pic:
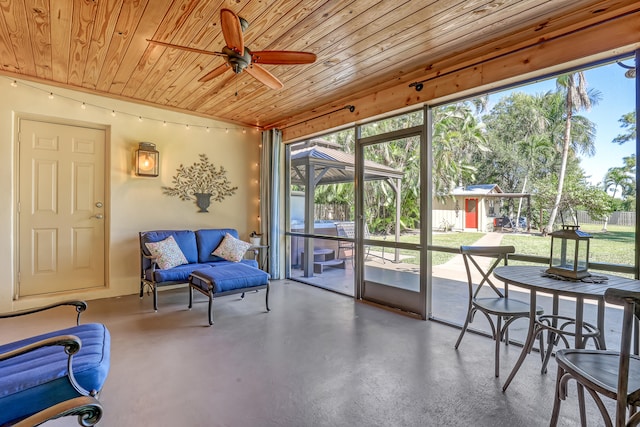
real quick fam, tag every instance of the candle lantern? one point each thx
(147, 160)
(569, 253)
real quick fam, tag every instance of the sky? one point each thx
(618, 98)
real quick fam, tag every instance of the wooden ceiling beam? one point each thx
(616, 36)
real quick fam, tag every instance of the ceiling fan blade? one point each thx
(214, 73)
(188, 49)
(232, 30)
(263, 76)
(282, 57)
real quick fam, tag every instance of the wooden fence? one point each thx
(616, 218)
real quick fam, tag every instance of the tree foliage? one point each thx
(628, 124)
(525, 143)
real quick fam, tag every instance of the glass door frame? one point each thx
(380, 293)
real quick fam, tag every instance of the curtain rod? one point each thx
(351, 109)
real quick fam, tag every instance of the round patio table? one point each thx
(534, 279)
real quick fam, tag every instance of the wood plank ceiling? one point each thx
(362, 46)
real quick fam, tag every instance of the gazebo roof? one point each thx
(334, 166)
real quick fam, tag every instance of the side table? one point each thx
(260, 254)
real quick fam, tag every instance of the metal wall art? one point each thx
(202, 182)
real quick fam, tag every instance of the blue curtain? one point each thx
(270, 211)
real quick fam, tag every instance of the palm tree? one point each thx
(577, 98)
(457, 136)
(627, 122)
(617, 178)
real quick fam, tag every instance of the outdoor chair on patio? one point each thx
(55, 374)
(613, 374)
(490, 300)
(347, 230)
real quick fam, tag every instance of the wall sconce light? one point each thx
(147, 160)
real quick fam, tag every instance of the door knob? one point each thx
(99, 216)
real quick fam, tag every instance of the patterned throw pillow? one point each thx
(231, 249)
(168, 253)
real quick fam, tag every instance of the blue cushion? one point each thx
(208, 240)
(230, 277)
(36, 380)
(250, 262)
(186, 239)
(176, 274)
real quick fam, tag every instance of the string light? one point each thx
(113, 112)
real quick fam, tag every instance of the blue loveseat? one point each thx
(197, 247)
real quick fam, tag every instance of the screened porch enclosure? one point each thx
(318, 163)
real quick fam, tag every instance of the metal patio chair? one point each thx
(612, 374)
(347, 230)
(495, 303)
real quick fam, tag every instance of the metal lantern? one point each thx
(147, 160)
(569, 253)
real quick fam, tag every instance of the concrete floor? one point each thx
(317, 359)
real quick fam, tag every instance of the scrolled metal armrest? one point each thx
(71, 344)
(80, 306)
(87, 408)
(153, 259)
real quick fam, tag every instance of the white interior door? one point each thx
(61, 208)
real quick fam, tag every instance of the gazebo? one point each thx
(333, 166)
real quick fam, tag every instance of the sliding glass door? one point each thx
(389, 226)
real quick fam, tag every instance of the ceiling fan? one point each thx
(240, 58)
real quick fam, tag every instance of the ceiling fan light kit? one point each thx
(239, 58)
(238, 62)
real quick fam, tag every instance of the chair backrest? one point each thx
(493, 256)
(346, 229)
(631, 303)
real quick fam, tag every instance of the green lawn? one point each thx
(616, 246)
(450, 240)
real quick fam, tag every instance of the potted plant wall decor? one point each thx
(202, 182)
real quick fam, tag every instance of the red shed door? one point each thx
(471, 213)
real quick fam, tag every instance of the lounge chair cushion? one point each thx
(36, 380)
(225, 278)
(180, 274)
